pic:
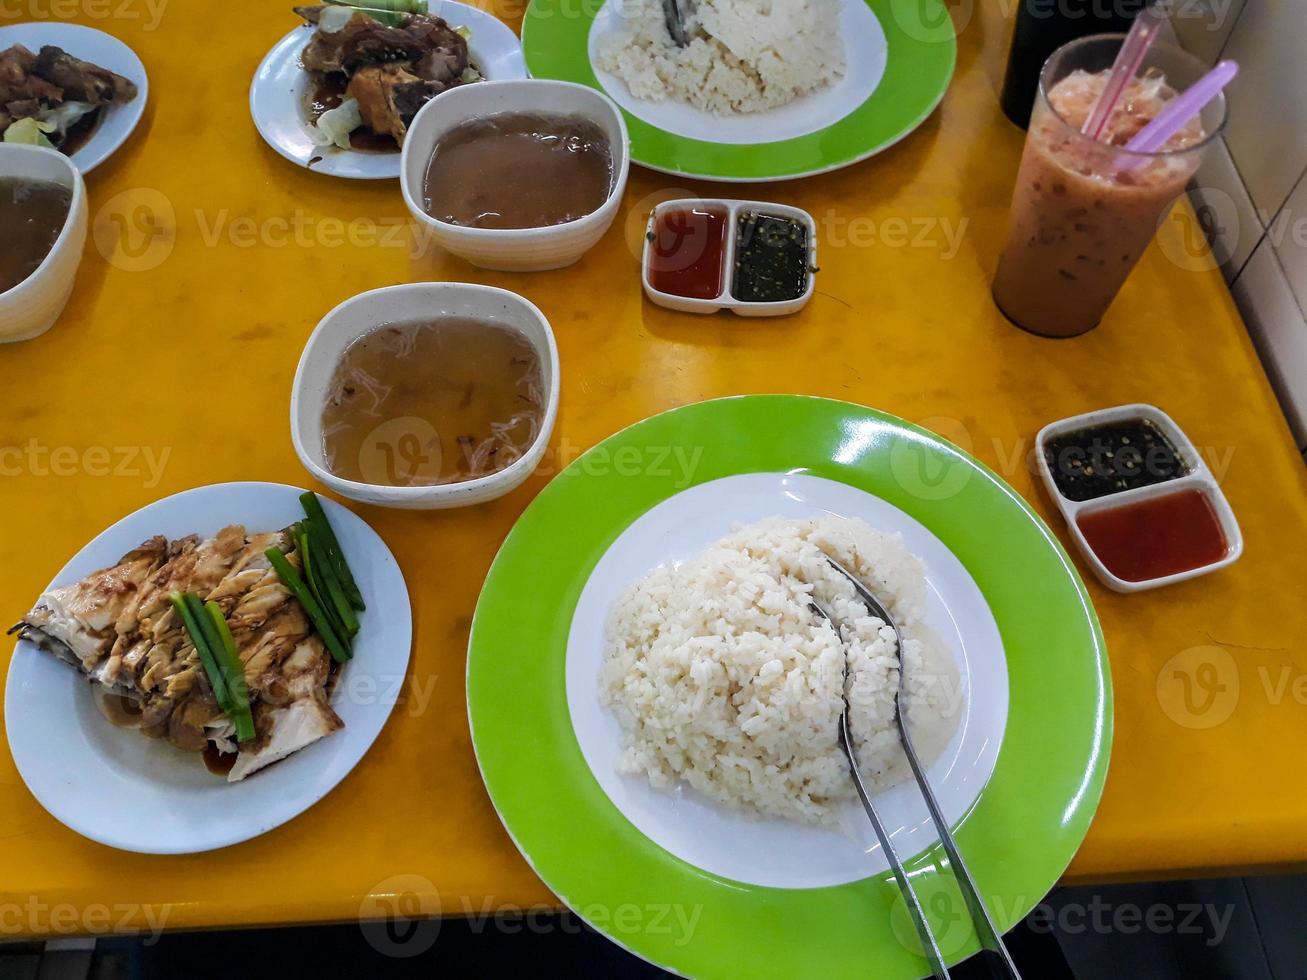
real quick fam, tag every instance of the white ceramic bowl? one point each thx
(514, 249)
(1196, 476)
(31, 308)
(416, 301)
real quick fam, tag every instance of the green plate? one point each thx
(854, 119)
(1019, 835)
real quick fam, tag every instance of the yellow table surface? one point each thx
(213, 258)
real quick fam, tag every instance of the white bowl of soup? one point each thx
(517, 175)
(426, 395)
(43, 217)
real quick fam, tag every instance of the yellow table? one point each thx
(212, 260)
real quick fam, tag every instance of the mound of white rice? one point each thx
(722, 676)
(743, 55)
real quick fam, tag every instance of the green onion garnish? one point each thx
(291, 579)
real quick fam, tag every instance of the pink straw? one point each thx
(1182, 108)
(1143, 32)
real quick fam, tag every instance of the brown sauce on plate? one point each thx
(328, 91)
(218, 763)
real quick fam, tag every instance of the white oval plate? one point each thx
(116, 122)
(120, 788)
(723, 841)
(280, 86)
(866, 53)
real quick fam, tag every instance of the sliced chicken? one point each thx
(119, 628)
(389, 97)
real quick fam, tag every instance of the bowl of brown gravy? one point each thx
(517, 175)
(43, 215)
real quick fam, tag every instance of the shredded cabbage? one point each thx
(335, 125)
(332, 19)
(31, 131)
(64, 116)
(470, 75)
(464, 31)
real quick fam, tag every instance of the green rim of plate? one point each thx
(1019, 836)
(922, 52)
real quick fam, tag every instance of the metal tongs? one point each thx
(993, 950)
(675, 22)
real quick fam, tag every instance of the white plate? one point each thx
(779, 853)
(280, 87)
(116, 122)
(866, 53)
(120, 788)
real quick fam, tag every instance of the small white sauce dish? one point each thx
(1196, 476)
(514, 249)
(364, 313)
(725, 300)
(31, 308)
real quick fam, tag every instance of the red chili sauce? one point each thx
(688, 255)
(1156, 537)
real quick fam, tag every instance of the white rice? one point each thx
(743, 56)
(721, 675)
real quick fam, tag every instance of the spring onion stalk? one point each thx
(211, 638)
(207, 659)
(391, 13)
(309, 561)
(320, 526)
(234, 672)
(291, 578)
(330, 585)
(389, 6)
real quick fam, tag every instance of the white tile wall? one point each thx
(1279, 330)
(1288, 234)
(1267, 131)
(1203, 26)
(1225, 210)
(1251, 192)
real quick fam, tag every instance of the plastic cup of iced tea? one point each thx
(1084, 210)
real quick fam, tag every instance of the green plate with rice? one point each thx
(898, 59)
(697, 887)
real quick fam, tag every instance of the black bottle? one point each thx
(1043, 26)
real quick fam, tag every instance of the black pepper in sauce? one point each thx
(771, 259)
(1104, 459)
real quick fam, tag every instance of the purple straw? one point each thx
(1182, 108)
(1143, 32)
